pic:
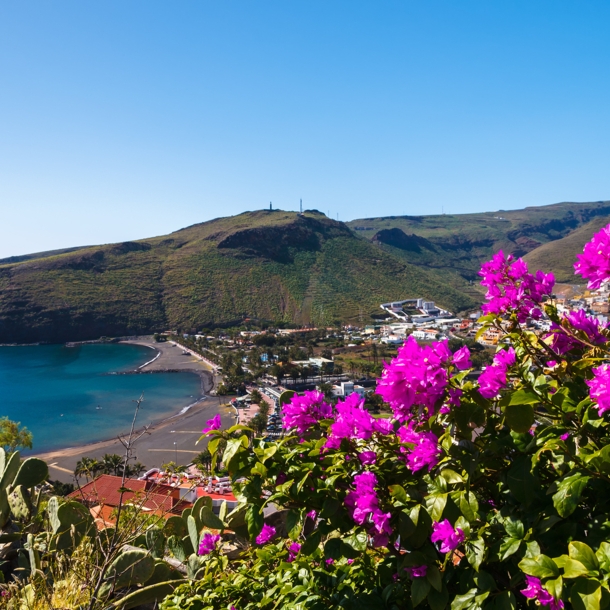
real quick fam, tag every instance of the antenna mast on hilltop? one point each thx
(301, 205)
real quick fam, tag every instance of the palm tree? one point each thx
(113, 464)
(87, 467)
(203, 460)
(134, 470)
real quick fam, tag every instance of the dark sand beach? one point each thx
(172, 438)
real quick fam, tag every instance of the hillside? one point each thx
(268, 265)
(559, 256)
(456, 245)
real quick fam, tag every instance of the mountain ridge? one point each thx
(276, 266)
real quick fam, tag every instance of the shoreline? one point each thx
(159, 444)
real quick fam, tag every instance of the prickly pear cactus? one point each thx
(131, 567)
(32, 472)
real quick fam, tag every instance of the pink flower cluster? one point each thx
(352, 421)
(212, 424)
(563, 342)
(535, 591)
(364, 504)
(417, 571)
(267, 533)
(302, 412)
(293, 551)
(418, 376)
(493, 378)
(511, 288)
(594, 263)
(425, 451)
(448, 537)
(600, 387)
(208, 543)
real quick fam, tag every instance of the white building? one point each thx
(345, 388)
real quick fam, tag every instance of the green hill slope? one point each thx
(456, 245)
(268, 265)
(559, 256)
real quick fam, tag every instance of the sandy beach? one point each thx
(168, 440)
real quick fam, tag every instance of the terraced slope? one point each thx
(268, 265)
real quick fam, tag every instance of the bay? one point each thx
(55, 391)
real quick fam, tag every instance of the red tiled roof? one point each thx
(105, 490)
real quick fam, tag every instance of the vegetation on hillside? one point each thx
(277, 266)
(457, 244)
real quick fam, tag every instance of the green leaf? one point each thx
(233, 446)
(541, 567)
(509, 547)
(311, 543)
(419, 590)
(438, 600)
(398, 493)
(451, 476)
(406, 527)
(505, 601)
(468, 505)
(524, 397)
(568, 493)
(586, 594)
(293, 524)
(436, 505)
(554, 587)
(583, 553)
(573, 568)
(434, 577)
(254, 520)
(519, 417)
(461, 602)
(358, 540)
(603, 556)
(475, 553)
(521, 481)
(514, 528)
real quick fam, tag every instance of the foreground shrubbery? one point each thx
(476, 494)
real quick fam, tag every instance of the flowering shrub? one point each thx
(488, 493)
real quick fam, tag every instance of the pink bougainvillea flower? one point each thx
(534, 590)
(594, 263)
(329, 561)
(580, 324)
(600, 388)
(352, 421)
(418, 377)
(367, 457)
(511, 288)
(208, 543)
(212, 424)
(448, 537)
(293, 551)
(267, 533)
(302, 412)
(493, 378)
(417, 571)
(425, 452)
(565, 437)
(461, 359)
(363, 504)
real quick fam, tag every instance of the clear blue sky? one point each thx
(123, 120)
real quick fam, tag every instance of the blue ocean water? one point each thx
(55, 391)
